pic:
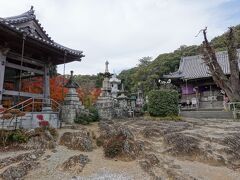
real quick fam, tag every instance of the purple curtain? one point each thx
(187, 89)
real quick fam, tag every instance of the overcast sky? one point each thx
(123, 31)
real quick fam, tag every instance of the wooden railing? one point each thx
(235, 108)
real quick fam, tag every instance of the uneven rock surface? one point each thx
(75, 164)
(19, 171)
(119, 142)
(187, 150)
(80, 140)
(40, 139)
(33, 156)
(18, 166)
(178, 146)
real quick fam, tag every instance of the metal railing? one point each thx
(235, 108)
(29, 106)
(32, 102)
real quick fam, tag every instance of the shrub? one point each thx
(53, 132)
(163, 103)
(82, 119)
(8, 137)
(145, 107)
(86, 118)
(18, 136)
(93, 113)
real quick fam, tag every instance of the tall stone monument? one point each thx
(72, 104)
(114, 82)
(105, 102)
(122, 99)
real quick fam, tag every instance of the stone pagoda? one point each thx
(114, 82)
(72, 104)
(122, 99)
(105, 102)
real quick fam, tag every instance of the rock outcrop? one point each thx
(77, 140)
(119, 142)
(75, 164)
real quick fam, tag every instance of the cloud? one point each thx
(122, 31)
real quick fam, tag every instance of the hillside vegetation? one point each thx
(148, 72)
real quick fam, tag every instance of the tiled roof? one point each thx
(193, 67)
(15, 23)
(114, 79)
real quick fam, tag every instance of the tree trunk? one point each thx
(231, 85)
(233, 63)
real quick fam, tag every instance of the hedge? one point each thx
(163, 103)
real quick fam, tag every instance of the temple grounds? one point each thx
(187, 149)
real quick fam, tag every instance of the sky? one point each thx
(123, 31)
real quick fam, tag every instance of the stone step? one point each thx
(207, 114)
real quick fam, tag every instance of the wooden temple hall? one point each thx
(198, 90)
(27, 51)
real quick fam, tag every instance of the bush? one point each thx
(8, 137)
(18, 136)
(163, 103)
(93, 113)
(53, 132)
(145, 107)
(82, 119)
(86, 118)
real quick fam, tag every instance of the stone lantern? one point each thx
(132, 100)
(114, 81)
(122, 99)
(72, 104)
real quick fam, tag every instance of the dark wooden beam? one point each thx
(28, 60)
(2, 72)
(23, 94)
(15, 66)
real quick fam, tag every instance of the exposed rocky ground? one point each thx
(130, 149)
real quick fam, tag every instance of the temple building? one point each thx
(198, 90)
(27, 51)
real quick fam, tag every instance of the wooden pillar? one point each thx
(46, 88)
(2, 72)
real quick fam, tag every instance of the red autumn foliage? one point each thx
(57, 91)
(95, 94)
(88, 95)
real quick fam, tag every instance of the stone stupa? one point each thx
(72, 104)
(114, 82)
(105, 102)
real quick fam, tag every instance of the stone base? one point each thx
(106, 113)
(46, 109)
(105, 107)
(69, 113)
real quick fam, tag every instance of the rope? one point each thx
(63, 81)
(20, 76)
